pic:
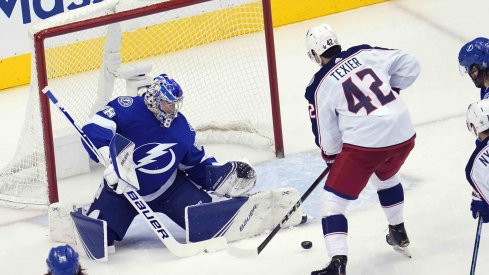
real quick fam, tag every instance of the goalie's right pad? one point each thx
(91, 236)
(234, 178)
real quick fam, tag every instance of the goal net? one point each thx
(220, 52)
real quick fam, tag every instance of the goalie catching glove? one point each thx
(233, 179)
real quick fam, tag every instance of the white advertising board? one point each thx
(17, 15)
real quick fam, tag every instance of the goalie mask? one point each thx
(478, 117)
(318, 40)
(164, 99)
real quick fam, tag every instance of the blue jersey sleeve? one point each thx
(195, 161)
(100, 129)
(484, 93)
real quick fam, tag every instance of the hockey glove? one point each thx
(112, 62)
(233, 179)
(479, 208)
(329, 159)
(397, 90)
(119, 186)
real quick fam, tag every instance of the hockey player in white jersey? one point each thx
(364, 131)
(174, 175)
(477, 169)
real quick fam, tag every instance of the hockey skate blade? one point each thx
(403, 250)
(242, 252)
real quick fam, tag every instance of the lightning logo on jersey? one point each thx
(155, 154)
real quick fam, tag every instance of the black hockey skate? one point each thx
(398, 239)
(337, 266)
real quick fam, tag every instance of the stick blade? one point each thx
(192, 249)
(242, 252)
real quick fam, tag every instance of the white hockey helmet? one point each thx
(319, 39)
(478, 117)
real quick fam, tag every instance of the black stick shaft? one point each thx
(294, 208)
(476, 246)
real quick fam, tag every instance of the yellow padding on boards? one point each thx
(15, 71)
(291, 11)
(157, 40)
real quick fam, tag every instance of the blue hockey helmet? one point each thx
(475, 52)
(164, 98)
(63, 260)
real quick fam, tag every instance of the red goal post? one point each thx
(221, 53)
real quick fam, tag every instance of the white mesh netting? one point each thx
(215, 50)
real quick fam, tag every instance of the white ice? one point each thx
(437, 197)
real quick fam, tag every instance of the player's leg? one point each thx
(390, 191)
(181, 194)
(347, 178)
(391, 198)
(115, 210)
(92, 228)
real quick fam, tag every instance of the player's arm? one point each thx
(477, 173)
(326, 119)
(233, 178)
(403, 67)
(100, 129)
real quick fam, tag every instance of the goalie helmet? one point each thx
(478, 117)
(164, 98)
(475, 52)
(319, 39)
(63, 260)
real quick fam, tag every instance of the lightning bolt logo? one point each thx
(152, 155)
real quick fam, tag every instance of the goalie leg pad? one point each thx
(91, 236)
(244, 217)
(283, 200)
(235, 219)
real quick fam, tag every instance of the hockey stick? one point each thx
(476, 246)
(240, 252)
(119, 145)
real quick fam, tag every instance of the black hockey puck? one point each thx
(306, 244)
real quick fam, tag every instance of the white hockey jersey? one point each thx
(353, 99)
(477, 170)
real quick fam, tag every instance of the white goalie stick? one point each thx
(121, 146)
(248, 253)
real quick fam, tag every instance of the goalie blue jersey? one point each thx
(159, 152)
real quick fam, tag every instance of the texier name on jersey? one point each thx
(345, 68)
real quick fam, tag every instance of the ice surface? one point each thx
(437, 196)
